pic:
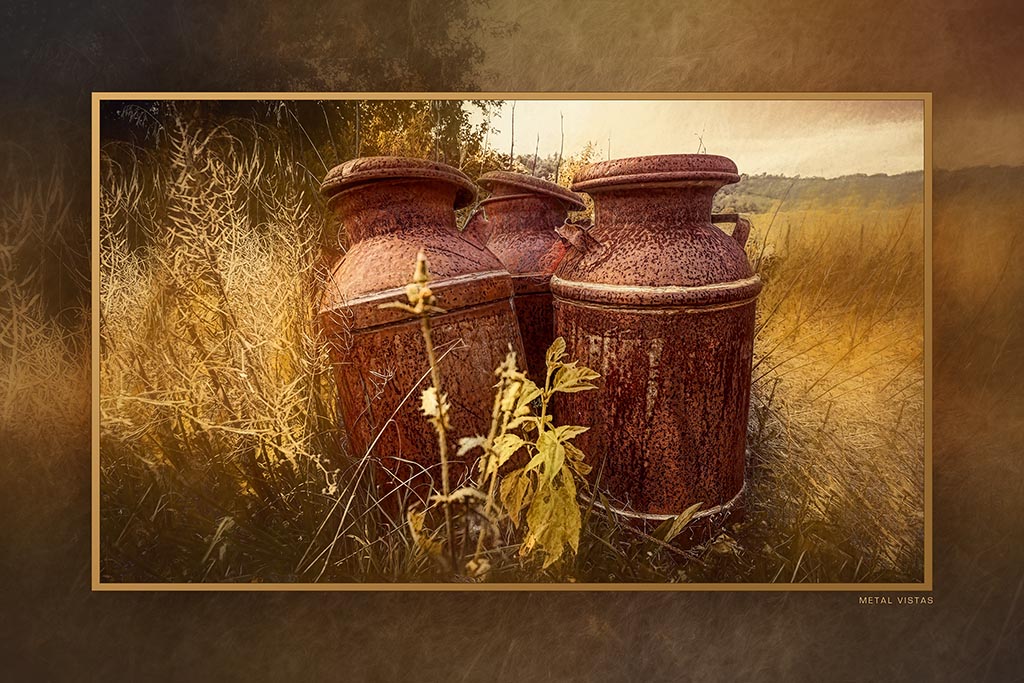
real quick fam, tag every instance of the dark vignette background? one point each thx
(968, 53)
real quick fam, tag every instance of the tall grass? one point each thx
(44, 351)
(43, 338)
(221, 458)
(220, 454)
(837, 421)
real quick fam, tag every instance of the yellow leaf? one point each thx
(576, 458)
(516, 493)
(529, 421)
(424, 541)
(671, 528)
(555, 352)
(503, 448)
(551, 452)
(570, 378)
(554, 520)
(566, 432)
(527, 395)
(535, 462)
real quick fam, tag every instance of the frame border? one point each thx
(863, 588)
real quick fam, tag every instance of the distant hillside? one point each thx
(761, 193)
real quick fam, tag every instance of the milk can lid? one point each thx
(369, 169)
(661, 170)
(528, 183)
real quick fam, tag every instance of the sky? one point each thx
(826, 138)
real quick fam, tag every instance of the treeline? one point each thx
(760, 193)
(324, 132)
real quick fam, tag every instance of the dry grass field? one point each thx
(221, 459)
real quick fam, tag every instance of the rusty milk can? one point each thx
(661, 303)
(391, 208)
(518, 222)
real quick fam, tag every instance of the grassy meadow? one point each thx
(221, 456)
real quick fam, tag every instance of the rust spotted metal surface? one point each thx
(661, 303)
(391, 209)
(374, 169)
(518, 223)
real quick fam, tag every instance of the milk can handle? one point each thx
(578, 237)
(742, 230)
(475, 230)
